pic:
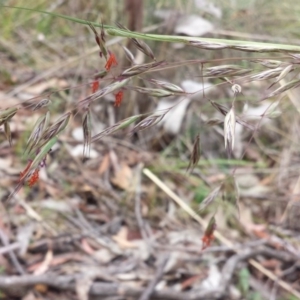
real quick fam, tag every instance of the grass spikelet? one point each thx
(230, 192)
(284, 72)
(141, 45)
(139, 69)
(112, 129)
(208, 236)
(7, 114)
(112, 61)
(57, 127)
(43, 103)
(229, 130)
(36, 134)
(7, 132)
(195, 156)
(128, 54)
(87, 133)
(226, 70)
(290, 85)
(149, 121)
(100, 40)
(210, 198)
(168, 86)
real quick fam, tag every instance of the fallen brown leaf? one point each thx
(104, 165)
(122, 239)
(123, 177)
(44, 266)
(86, 247)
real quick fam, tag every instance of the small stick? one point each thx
(9, 247)
(157, 277)
(217, 234)
(12, 255)
(137, 207)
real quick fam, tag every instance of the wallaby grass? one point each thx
(63, 31)
(44, 41)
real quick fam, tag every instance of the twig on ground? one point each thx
(10, 247)
(13, 257)
(10, 283)
(157, 277)
(13, 285)
(137, 206)
(217, 234)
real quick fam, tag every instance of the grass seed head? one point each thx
(43, 103)
(37, 133)
(226, 70)
(143, 47)
(168, 86)
(128, 54)
(290, 85)
(149, 121)
(153, 92)
(230, 191)
(87, 132)
(57, 127)
(118, 98)
(112, 61)
(210, 198)
(195, 157)
(7, 114)
(7, 132)
(111, 129)
(139, 69)
(100, 40)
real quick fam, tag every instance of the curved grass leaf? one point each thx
(205, 43)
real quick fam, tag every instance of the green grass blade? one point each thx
(76, 20)
(204, 43)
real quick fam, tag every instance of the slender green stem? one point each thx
(76, 20)
(203, 43)
(208, 43)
